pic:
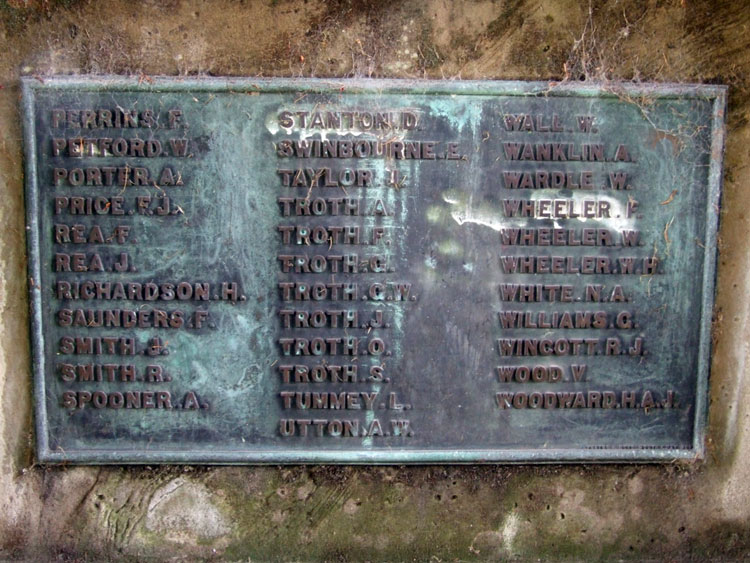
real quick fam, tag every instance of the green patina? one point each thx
(247, 146)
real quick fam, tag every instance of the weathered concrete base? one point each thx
(381, 513)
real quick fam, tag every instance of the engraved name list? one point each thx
(296, 271)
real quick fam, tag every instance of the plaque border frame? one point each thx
(716, 93)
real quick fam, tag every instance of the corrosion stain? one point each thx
(657, 135)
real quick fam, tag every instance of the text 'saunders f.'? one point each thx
(334, 271)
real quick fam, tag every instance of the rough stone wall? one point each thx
(381, 513)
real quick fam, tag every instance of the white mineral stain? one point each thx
(509, 531)
(434, 213)
(463, 211)
(272, 124)
(450, 248)
(181, 509)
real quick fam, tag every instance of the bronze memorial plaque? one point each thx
(370, 271)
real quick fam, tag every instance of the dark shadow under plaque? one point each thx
(284, 271)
